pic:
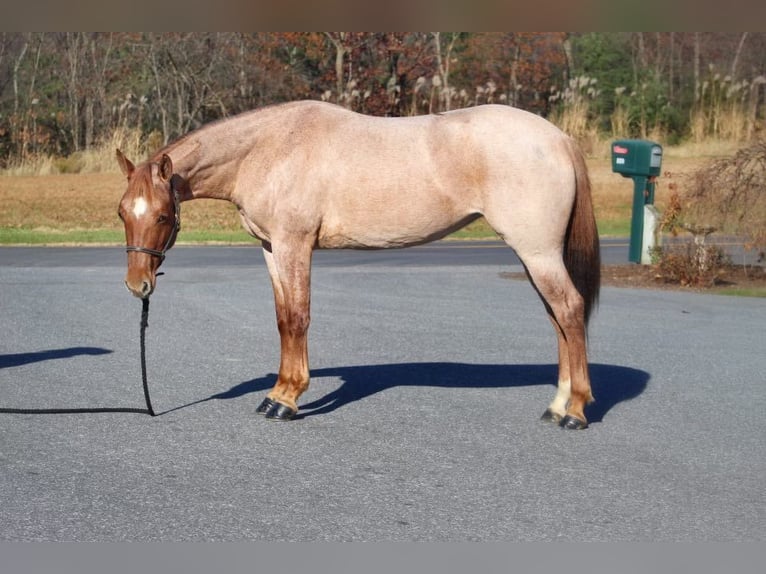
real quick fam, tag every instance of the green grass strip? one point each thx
(742, 291)
(16, 236)
(478, 230)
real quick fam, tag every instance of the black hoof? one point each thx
(573, 423)
(265, 406)
(550, 417)
(279, 412)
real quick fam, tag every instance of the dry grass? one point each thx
(65, 202)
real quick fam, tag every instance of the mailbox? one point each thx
(636, 157)
(640, 160)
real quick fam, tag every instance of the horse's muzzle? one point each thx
(141, 287)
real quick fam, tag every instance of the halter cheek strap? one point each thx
(176, 228)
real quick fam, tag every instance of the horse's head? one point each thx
(150, 211)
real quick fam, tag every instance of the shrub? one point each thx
(725, 196)
(730, 195)
(690, 264)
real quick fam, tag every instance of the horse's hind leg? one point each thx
(566, 310)
(556, 411)
(289, 267)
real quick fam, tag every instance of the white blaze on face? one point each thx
(140, 207)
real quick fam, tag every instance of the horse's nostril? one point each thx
(142, 289)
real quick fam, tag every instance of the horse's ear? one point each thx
(126, 165)
(166, 167)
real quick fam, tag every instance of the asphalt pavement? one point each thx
(429, 373)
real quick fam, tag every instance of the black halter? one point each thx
(171, 237)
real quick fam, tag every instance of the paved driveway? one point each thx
(420, 424)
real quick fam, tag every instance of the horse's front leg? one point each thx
(289, 266)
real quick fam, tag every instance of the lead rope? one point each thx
(149, 410)
(144, 325)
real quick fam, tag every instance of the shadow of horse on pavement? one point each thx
(611, 384)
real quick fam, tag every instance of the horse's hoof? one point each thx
(265, 406)
(550, 417)
(279, 412)
(573, 423)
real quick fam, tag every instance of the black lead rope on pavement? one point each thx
(148, 410)
(144, 325)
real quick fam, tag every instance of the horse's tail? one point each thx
(582, 255)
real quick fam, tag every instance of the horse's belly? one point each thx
(386, 234)
(368, 241)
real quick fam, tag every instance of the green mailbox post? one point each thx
(640, 160)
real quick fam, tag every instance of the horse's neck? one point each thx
(209, 174)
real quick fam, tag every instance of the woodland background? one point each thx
(63, 93)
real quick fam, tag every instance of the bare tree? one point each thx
(24, 118)
(16, 68)
(737, 55)
(338, 41)
(443, 61)
(97, 51)
(697, 83)
(159, 100)
(192, 77)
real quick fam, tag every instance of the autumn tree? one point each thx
(516, 68)
(61, 92)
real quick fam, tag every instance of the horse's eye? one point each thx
(119, 214)
(162, 218)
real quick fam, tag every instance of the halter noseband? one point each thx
(171, 237)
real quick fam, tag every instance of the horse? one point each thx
(311, 175)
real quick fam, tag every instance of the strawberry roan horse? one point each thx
(310, 175)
